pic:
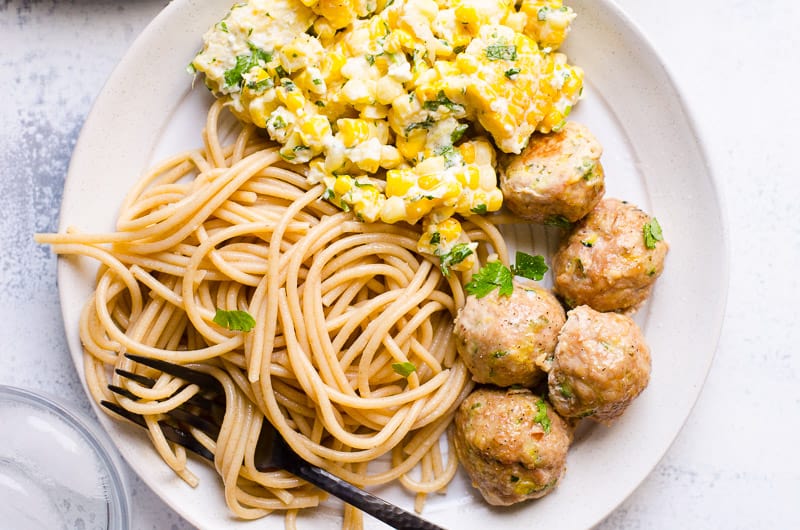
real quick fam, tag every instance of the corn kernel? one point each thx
(452, 190)
(352, 131)
(467, 63)
(467, 150)
(418, 208)
(449, 229)
(393, 210)
(343, 184)
(398, 182)
(430, 166)
(411, 146)
(429, 182)
(314, 129)
(494, 200)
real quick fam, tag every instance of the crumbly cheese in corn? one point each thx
(397, 105)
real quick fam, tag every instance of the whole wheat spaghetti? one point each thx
(337, 302)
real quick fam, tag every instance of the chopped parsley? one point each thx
(404, 369)
(512, 73)
(491, 276)
(278, 122)
(451, 155)
(505, 52)
(281, 72)
(652, 233)
(479, 209)
(235, 76)
(457, 254)
(541, 416)
(427, 124)
(528, 266)
(495, 275)
(458, 132)
(436, 238)
(558, 220)
(234, 320)
(442, 101)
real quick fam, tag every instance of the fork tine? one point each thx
(171, 432)
(209, 427)
(142, 380)
(123, 392)
(187, 374)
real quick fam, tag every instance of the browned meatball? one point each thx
(557, 178)
(601, 364)
(508, 340)
(512, 444)
(610, 259)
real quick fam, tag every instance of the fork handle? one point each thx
(390, 514)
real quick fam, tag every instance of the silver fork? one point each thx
(205, 410)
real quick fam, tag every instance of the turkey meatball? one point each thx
(601, 364)
(509, 340)
(512, 444)
(557, 178)
(610, 259)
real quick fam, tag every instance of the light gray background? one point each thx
(735, 465)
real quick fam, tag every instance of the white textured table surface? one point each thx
(734, 465)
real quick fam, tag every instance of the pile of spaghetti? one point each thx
(338, 306)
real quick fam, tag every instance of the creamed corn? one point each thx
(397, 106)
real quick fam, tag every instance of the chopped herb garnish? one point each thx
(512, 73)
(652, 233)
(496, 275)
(436, 238)
(404, 369)
(542, 13)
(541, 416)
(370, 59)
(317, 81)
(279, 70)
(459, 49)
(558, 220)
(479, 209)
(223, 26)
(528, 266)
(260, 86)
(450, 154)
(427, 124)
(234, 76)
(499, 354)
(234, 320)
(496, 52)
(278, 122)
(491, 276)
(457, 254)
(442, 101)
(458, 132)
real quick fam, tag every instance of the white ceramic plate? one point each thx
(653, 158)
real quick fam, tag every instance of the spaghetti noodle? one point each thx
(337, 303)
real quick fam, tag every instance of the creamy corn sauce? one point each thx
(397, 106)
